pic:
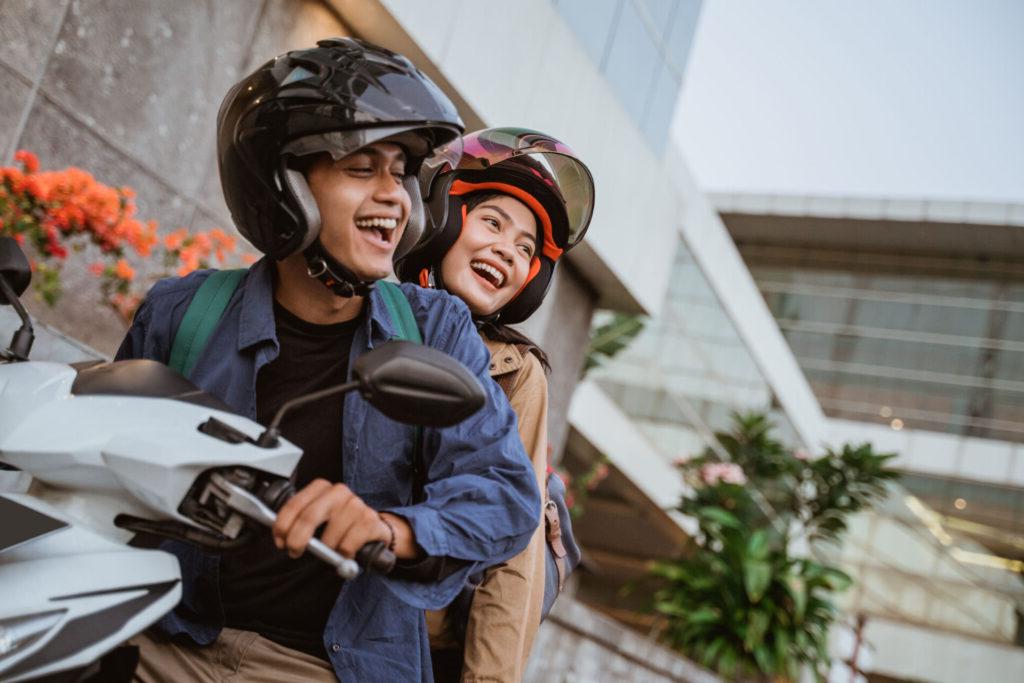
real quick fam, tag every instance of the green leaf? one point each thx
(763, 657)
(836, 580)
(727, 662)
(712, 651)
(757, 574)
(719, 516)
(757, 624)
(705, 615)
(798, 591)
(757, 546)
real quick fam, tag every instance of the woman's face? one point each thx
(489, 262)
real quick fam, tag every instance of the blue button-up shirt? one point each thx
(482, 503)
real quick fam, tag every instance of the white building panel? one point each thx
(985, 460)
(923, 654)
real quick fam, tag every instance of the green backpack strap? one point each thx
(201, 318)
(403, 318)
(400, 311)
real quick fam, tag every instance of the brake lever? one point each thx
(245, 503)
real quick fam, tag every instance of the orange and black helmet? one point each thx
(530, 166)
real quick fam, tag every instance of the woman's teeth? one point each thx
(385, 223)
(493, 275)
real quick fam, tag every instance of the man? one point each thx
(318, 155)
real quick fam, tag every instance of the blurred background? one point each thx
(811, 210)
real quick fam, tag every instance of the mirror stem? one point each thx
(21, 343)
(268, 439)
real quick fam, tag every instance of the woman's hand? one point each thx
(351, 523)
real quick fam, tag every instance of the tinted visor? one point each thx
(551, 161)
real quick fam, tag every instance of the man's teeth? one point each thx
(496, 277)
(384, 223)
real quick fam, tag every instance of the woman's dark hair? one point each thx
(503, 333)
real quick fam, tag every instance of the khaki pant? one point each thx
(236, 657)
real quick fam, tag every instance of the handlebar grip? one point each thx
(375, 557)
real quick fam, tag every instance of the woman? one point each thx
(516, 202)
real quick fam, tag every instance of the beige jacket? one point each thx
(506, 606)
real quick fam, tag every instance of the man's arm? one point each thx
(481, 502)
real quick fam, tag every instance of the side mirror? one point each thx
(15, 274)
(418, 385)
(14, 268)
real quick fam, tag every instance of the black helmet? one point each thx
(530, 166)
(337, 97)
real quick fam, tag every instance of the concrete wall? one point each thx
(562, 328)
(129, 91)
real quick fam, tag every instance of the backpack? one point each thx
(201, 318)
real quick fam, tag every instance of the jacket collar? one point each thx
(505, 357)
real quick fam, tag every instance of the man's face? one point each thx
(363, 207)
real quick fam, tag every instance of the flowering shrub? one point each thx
(714, 472)
(58, 213)
(578, 488)
(740, 602)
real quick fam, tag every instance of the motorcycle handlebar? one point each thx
(375, 557)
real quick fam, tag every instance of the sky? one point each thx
(919, 99)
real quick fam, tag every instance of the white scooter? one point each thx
(119, 449)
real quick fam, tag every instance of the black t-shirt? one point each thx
(262, 589)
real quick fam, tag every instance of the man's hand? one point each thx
(351, 523)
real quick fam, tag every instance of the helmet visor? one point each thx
(553, 162)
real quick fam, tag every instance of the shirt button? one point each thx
(335, 648)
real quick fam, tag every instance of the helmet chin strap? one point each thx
(340, 280)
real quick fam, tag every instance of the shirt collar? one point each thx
(256, 322)
(381, 327)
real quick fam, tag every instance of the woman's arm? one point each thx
(506, 606)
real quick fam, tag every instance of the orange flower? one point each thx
(124, 271)
(27, 159)
(174, 240)
(222, 239)
(97, 268)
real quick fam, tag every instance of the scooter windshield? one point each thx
(145, 378)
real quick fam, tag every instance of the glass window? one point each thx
(660, 13)
(591, 22)
(660, 108)
(632, 61)
(680, 37)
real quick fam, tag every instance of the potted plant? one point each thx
(744, 602)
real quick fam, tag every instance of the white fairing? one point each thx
(91, 458)
(111, 590)
(149, 448)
